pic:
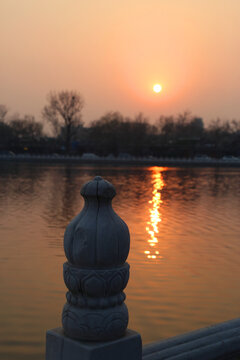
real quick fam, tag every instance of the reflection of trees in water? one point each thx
(63, 197)
(52, 192)
(182, 185)
(69, 194)
(190, 184)
(63, 201)
(20, 181)
(222, 182)
(133, 184)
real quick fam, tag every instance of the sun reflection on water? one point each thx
(152, 227)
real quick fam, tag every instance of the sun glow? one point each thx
(157, 88)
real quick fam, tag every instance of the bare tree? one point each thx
(3, 112)
(64, 111)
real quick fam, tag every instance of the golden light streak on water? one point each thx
(152, 227)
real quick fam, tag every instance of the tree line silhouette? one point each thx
(183, 135)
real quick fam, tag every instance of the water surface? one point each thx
(185, 248)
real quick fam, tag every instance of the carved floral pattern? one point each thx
(95, 303)
(95, 325)
(96, 283)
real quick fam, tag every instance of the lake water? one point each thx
(184, 257)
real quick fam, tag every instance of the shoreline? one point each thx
(171, 162)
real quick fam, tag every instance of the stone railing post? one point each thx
(95, 318)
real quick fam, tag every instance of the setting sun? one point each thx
(157, 88)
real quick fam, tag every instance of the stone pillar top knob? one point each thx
(99, 188)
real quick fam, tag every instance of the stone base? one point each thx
(61, 347)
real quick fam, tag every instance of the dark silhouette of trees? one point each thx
(3, 112)
(26, 133)
(141, 135)
(63, 112)
(105, 133)
(19, 132)
(181, 135)
(27, 128)
(113, 134)
(224, 137)
(184, 126)
(5, 130)
(6, 136)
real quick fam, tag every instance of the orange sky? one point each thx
(113, 51)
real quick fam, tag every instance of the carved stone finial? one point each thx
(96, 244)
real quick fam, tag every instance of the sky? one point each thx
(114, 51)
